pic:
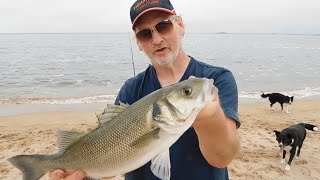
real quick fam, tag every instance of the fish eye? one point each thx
(187, 91)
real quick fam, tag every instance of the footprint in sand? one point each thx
(301, 162)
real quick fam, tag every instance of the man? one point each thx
(204, 151)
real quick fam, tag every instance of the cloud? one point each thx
(200, 16)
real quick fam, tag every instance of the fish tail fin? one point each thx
(28, 165)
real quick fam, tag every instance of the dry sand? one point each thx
(257, 159)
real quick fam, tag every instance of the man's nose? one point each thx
(156, 37)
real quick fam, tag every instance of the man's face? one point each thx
(162, 49)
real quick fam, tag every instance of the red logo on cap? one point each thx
(142, 4)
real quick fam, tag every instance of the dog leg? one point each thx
(287, 167)
(292, 153)
(298, 152)
(271, 106)
(287, 107)
(283, 161)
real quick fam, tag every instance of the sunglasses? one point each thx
(162, 28)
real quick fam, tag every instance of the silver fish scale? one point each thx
(108, 146)
(129, 140)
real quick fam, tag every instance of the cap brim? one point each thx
(152, 9)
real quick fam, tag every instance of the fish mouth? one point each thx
(208, 92)
(212, 89)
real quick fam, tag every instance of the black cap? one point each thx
(140, 7)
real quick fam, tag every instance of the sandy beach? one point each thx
(258, 158)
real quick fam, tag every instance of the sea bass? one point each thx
(128, 137)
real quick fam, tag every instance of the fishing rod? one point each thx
(134, 70)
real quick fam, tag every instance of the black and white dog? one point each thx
(280, 98)
(293, 137)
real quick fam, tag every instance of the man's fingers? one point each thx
(77, 175)
(60, 174)
(57, 174)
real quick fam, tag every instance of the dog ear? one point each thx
(276, 132)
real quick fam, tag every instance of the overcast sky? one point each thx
(205, 16)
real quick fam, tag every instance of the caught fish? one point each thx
(128, 136)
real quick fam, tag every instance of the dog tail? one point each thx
(310, 127)
(265, 95)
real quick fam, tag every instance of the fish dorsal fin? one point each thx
(160, 165)
(65, 138)
(113, 106)
(125, 105)
(110, 112)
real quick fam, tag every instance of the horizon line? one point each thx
(248, 33)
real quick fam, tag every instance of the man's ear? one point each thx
(139, 46)
(276, 132)
(181, 25)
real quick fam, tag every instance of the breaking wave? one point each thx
(72, 100)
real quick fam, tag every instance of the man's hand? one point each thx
(213, 109)
(60, 174)
(217, 134)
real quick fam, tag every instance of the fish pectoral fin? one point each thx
(160, 165)
(147, 138)
(65, 138)
(110, 112)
